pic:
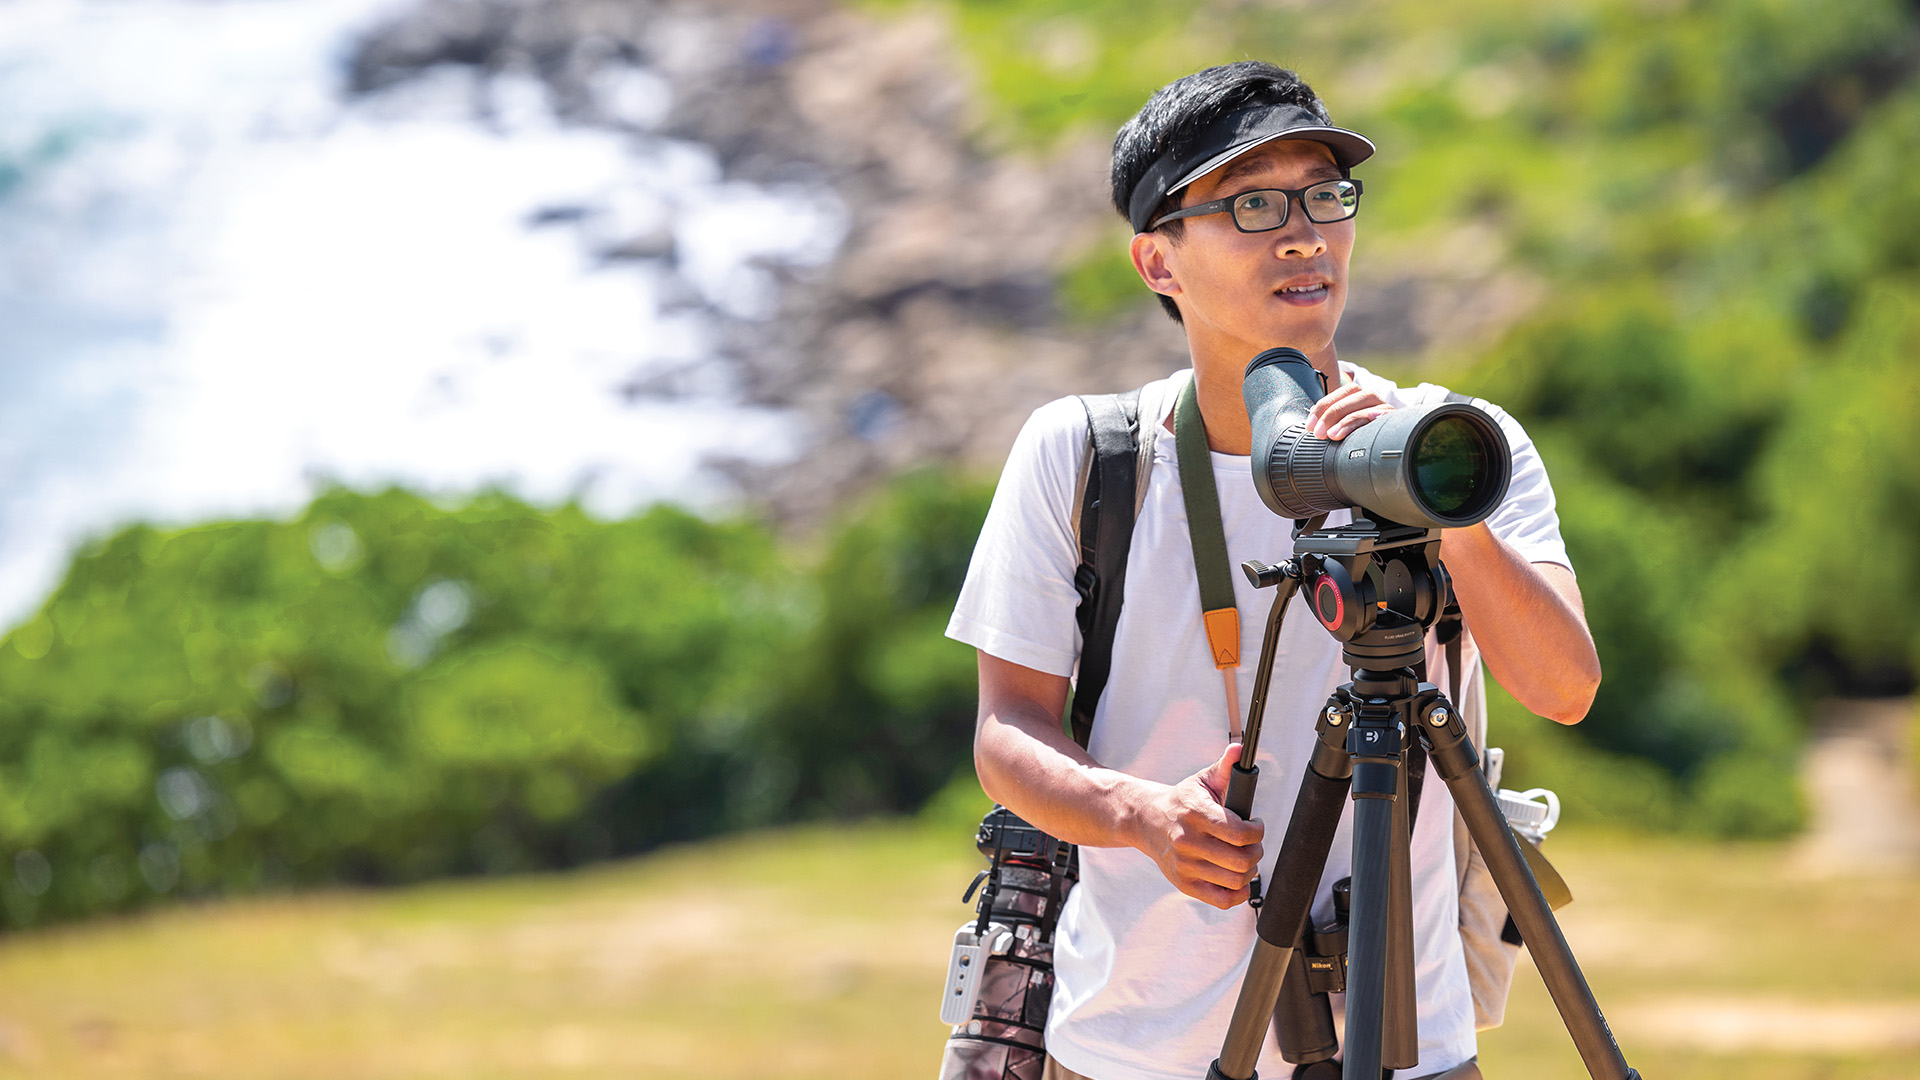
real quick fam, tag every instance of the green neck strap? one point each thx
(1209, 537)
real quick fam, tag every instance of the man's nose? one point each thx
(1299, 237)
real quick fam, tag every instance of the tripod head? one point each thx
(1377, 586)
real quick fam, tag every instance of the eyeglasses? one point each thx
(1260, 211)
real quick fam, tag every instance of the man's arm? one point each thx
(1028, 764)
(1528, 621)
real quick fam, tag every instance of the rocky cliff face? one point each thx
(933, 330)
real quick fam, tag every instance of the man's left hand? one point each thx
(1344, 410)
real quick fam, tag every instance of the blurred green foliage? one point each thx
(1721, 202)
(384, 690)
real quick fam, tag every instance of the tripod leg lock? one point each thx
(1376, 780)
(1214, 1073)
(1445, 733)
(1330, 758)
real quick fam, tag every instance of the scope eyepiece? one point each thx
(1439, 466)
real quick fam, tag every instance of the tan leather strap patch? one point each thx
(1223, 636)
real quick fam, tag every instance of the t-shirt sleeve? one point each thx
(1527, 519)
(1018, 601)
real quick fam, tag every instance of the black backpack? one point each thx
(1000, 976)
(1111, 487)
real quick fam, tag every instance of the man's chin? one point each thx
(1309, 336)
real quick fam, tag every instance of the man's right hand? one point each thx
(1202, 847)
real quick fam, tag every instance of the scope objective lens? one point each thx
(1450, 467)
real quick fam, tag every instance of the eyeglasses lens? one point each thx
(1335, 200)
(1258, 211)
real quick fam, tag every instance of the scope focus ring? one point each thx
(1299, 461)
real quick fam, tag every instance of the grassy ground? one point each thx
(818, 953)
(1727, 961)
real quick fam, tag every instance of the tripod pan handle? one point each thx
(1240, 785)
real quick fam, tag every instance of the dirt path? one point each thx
(1774, 1024)
(1859, 776)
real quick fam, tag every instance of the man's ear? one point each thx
(1149, 252)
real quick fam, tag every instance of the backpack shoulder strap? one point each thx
(1109, 494)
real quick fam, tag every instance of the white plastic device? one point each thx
(1531, 819)
(970, 952)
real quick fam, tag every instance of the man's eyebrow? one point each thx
(1237, 168)
(1245, 166)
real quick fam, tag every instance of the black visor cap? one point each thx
(1229, 137)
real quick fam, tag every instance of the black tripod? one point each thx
(1377, 587)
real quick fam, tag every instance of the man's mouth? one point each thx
(1302, 294)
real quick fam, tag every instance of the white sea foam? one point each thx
(220, 287)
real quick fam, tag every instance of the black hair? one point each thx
(1181, 109)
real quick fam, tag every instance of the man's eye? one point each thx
(1255, 202)
(1326, 195)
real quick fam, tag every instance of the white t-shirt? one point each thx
(1146, 977)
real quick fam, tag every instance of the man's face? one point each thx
(1246, 292)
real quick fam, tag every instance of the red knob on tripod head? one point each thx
(1337, 602)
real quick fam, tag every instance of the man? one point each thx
(1152, 944)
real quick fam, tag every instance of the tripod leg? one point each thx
(1297, 870)
(1367, 935)
(1401, 1036)
(1375, 744)
(1456, 762)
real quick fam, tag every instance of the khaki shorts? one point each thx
(1057, 1071)
(1468, 1071)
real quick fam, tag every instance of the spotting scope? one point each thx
(1439, 466)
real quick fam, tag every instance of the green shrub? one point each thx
(876, 709)
(384, 690)
(378, 690)
(1748, 795)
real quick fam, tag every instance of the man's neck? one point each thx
(1219, 372)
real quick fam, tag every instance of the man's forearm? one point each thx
(1026, 763)
(1528, 621)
